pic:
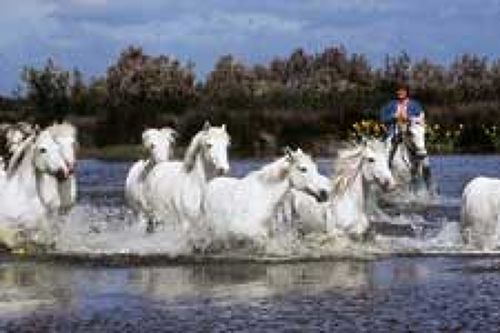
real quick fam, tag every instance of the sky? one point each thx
(89, 34)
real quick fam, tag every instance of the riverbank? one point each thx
(131, 152)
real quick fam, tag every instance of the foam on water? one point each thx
(112, 229)
(91, 230)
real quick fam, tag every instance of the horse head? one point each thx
(414, 138)
(374, 166)
(211, 143)
(304, 176)
(65, 136)
(158, 143)
(48, 158)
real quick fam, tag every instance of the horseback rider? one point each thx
(396, 114)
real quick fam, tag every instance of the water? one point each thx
(424, 293)
(397, 294)
(101, 223)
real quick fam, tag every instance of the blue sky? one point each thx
(89, 34)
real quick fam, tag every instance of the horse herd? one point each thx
(195, 196)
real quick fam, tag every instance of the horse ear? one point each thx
(299, 151)
(288, 153)
(223, 127)
(206, 126)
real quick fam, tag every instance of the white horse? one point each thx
(27, 200)
(158, 144)
(480, 213)
(175, 191)
(65, 136)
(244, 207)
(409, 161)
(355, 170)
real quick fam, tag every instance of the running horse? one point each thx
(408, 157)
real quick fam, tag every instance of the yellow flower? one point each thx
(19, 251)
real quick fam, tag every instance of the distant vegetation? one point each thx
(306, 99)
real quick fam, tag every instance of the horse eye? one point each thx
(371, 159)
(303, 169)
(43, 150)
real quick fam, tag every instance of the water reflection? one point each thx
(25, 286)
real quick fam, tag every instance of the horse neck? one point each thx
(274, 179)
(402, 158)
(33, 183)
(169, 147)
(201, 169)
(25, 175)
(195, 164)
(349, 183)
(356, 190)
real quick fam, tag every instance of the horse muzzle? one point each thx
(63, 174)
(389, 186)
(320, 196)
(221, 171)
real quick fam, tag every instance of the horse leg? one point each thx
(414, 172)
(427, 175)
(145, 222)
(392, 152)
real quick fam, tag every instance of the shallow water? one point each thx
(397, 294)
(101, 210)
(389, 294)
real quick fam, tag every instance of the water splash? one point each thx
(112, 229)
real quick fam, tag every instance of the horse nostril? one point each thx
(222, 171)
(389, 185)
(323, 195)
(61, 174)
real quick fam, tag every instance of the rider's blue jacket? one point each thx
(388, 112)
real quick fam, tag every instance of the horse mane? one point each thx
(347, 166)
(192, 151)
(169, 133)
(20, 154)
(273, 171)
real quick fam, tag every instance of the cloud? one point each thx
(197, 28)
(89, 34)
(91, 3)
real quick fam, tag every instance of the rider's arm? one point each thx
(421, 117)
(416, 112)
(387, 114)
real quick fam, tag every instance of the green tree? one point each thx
(48, 90)
(140, 88)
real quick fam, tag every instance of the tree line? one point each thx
(306, 98)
